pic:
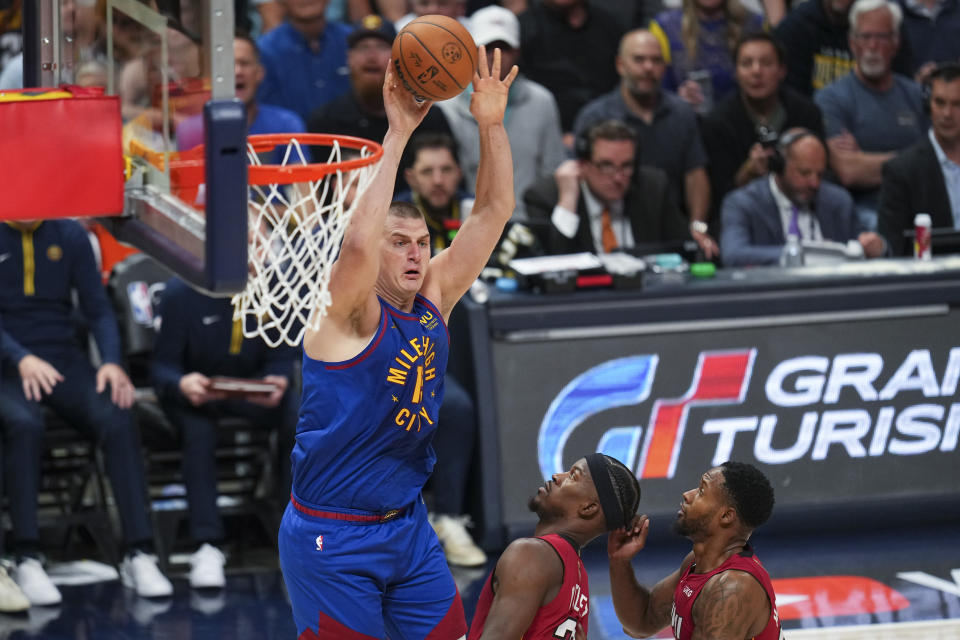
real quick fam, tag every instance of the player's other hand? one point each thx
(489, 99)
(39, 377)
(623, 544)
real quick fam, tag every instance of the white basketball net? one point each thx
(295, 232)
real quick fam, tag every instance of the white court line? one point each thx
(925, 630)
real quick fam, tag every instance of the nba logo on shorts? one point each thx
(140, 306)
(319, 543)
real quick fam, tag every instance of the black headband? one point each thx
(612, 511)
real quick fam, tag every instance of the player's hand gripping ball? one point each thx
(434, 57)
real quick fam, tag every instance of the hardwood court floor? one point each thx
(898, 584)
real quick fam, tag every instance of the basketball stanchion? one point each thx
(298, 211)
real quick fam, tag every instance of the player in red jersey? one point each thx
(721, 591)
(539, 589)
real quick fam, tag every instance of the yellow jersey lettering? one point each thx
(405, 365)
(430, 374)
(401, 417)
(426, 416)
(418, 389)
(397, 376)
(408, 356)
(415, 343)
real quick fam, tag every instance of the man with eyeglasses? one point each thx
(872, 113)
(602, 201)
(668, 135)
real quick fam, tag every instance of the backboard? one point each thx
(171, 64)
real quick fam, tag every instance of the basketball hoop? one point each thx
(297, 213)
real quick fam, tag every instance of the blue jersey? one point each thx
(366, 424)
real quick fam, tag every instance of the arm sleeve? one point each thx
(675, 225)
(166, 368)
(736, 243)
(722, 157)
(696, 156)
(11, 351)
(893, 214)
(93, 297)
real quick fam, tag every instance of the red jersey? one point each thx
(681, 615)
(559, 617)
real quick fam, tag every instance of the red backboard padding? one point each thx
(61, 157)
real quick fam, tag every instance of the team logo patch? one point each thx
(141, 306)
(429, 321)
(54, 253)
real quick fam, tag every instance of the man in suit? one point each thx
(602, 201)
(926, 177)
(791, 200)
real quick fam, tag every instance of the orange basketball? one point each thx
(434, 57)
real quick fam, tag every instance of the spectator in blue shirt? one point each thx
(45, 364)
(305, 58)
(248, 74)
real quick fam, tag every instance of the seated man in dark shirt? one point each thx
(603, 201)
(45, 364)
(793, 200)
(199, 339)
(925, 178)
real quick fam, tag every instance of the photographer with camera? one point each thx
(741, 131)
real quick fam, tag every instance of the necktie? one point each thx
(608, 237)
(794, 229)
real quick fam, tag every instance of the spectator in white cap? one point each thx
(532, 119)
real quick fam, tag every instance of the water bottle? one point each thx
(792, 255)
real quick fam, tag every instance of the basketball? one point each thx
(434, 57)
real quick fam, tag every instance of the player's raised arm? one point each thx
(642, 612)
(454, 270)
(354, 274)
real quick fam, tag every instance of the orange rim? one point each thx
(187, 168)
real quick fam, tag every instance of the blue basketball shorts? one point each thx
(356, 580)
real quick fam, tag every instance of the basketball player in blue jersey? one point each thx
(359, 557)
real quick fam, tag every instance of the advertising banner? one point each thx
(832, 412)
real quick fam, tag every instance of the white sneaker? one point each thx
(458, 546)
(206, 568)
(139, 572)
(12, 598)
(36, 584)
